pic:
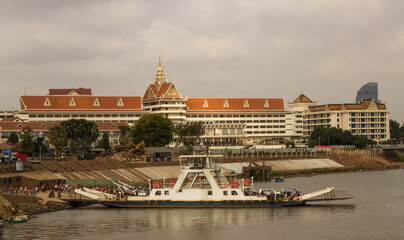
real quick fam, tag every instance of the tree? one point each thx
(13, 138)
(124, 137)
(394, 130)
(188, 134)
(290, 144)
(80, 133)
(312, 143)
(27, 142)
(335, 136)
(360, 141)
(154, 129)
(104, 143)
(58, 138)
(40, 145)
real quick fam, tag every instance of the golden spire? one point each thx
(160, 75)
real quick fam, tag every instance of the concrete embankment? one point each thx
(142, 174)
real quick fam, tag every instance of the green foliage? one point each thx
(154, 129)
(290, 144)
(104, 143)
(80, 133)
(13, 138)
(394, 130)
(256, 173)
(58, 138)
(312, 143)
(188, 134)
(336, 136)
(124, 137)
(394, 156)
(40, 145)
(27, 142)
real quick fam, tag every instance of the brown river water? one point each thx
(377, 212)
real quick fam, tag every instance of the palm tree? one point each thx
(58, 138)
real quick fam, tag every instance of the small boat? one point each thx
(202, 183)
(279, 179)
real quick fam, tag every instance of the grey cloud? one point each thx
(327, 49)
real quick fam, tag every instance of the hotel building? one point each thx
(225, 120)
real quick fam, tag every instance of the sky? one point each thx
(209, 48)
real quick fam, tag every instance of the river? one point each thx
(377, 212)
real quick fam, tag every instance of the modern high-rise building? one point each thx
(367, 91)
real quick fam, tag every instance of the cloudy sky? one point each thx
(210, 48)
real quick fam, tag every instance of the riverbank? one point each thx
(20, 206)
(14, 205)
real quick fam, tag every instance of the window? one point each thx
(234, 193)
(225, 193)
(166, 192)
(158, 193)
(210, 193)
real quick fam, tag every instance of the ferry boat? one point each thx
(202, 183)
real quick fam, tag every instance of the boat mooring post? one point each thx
(149, 185)
(242, 184)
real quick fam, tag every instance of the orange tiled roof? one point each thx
(367, 102)
(235, 104)
(317, 108)
(334, 106)
(11, 119)
(158, 92)
(302, 99)
(352, 106)
(381, 106)
(45, 126)
(80, 91)
(88, 103)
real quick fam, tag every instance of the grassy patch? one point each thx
(393, 156)
(15, 204)
(276, 173)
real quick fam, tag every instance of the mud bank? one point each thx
(14, 206)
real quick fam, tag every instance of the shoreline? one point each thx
(323, 171)
(13, 206)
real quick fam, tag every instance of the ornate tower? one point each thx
(162, 97)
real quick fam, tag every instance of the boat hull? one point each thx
(198, 204)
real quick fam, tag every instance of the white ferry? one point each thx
(203, 184)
